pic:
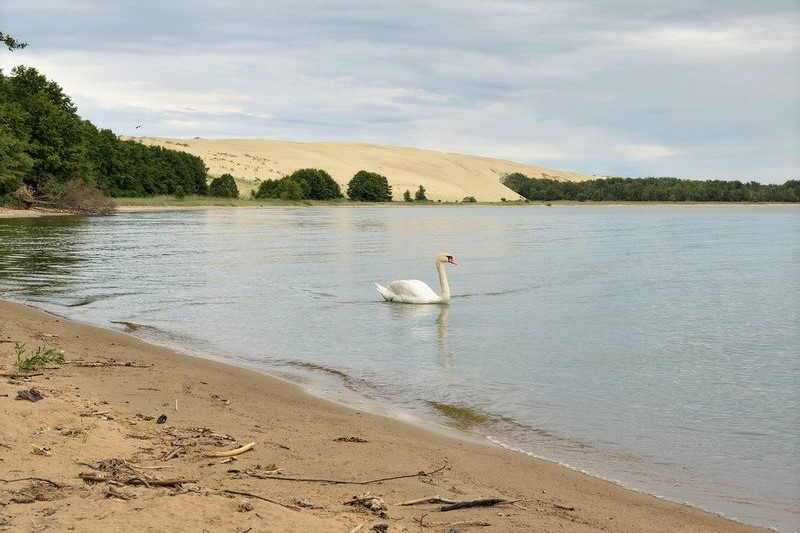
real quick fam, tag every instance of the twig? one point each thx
(431, 499)
(142, 467)
(231, 453)
(483, 502)
(56, 485)
(341, 482)
(251, 495)
(174, 452)
(461, 523)
(357, 528)
(99, 478)
(563, 508)
(6, 446)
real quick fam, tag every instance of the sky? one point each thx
(706, 89)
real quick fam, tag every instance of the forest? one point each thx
(44, 143)
(651, 190)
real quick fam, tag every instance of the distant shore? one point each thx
(97, 421)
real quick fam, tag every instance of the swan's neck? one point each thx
(445, 287)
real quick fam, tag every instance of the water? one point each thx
(656, 345)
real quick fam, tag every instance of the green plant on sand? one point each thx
(38, 359)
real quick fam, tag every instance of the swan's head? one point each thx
(446, 258)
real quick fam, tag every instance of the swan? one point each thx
(414, 291)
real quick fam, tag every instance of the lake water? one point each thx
(656, 346)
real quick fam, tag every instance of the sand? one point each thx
(98, 419)
(445, 176)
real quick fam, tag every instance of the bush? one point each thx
(420, 194)
(75, 196)
(224, 187)
(369, 187)
(289, 189)
(317, 184)
(469, 200)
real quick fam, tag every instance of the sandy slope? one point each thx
(445, 176)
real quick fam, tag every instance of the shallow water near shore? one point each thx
(651, 345)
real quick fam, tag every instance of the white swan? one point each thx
(414, 291)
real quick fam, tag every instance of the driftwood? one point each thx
(231, 453)
(431, 499)
(251, 495)
(343, 482)
(95, 364)
(482, 502)
(563, 508)
(107, 478)
(45, 480)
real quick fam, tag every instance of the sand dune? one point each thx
(445, 176)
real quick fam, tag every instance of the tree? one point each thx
(317, 184)
(369, 187)
(11, 43)
(407, 196)
(420, 194)
(289, 189)
(224, 187)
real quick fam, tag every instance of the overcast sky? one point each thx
(687, 88)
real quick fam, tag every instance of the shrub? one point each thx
(420, 194)
(317, 184)
(369, 187)
(224, 187)
(469, 200)
(289, 189)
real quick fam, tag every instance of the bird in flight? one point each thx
(139, 126)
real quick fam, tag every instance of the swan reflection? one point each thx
(420, 320)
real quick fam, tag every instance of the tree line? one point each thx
(651, 190)
(43, 141)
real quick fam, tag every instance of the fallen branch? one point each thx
(563, 508)
(101, 478)
(240, 493)
(231, 453)
(56, 485)
(94, 364)
(480, 523)
(432, 499)
(482, 502)
(357, 528)
(343, 482)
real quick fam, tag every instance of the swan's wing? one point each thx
(412, 291)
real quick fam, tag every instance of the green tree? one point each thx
(407, 196)
(289, 189)
(11, 43)
(419, 196)
(317, 184)
(369, 187)
(224, 187)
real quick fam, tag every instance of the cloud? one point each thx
(682, 88)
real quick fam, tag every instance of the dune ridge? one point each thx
(446, 176)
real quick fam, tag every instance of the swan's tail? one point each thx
(386, 293)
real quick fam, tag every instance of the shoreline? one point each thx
(292, 429)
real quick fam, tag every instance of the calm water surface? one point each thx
(656, 346)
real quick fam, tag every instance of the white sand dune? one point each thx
(445, 176)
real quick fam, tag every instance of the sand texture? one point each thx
(445, 176)
(91, 456)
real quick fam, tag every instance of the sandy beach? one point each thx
(91, 456)
(446, 176)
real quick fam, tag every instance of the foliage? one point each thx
(407, 196)
(224, 187)
(285, 188)
(369, 187)
(42, 137)
(75, 195)
(419, 196)
(11, 43)
(651, 189)
(39, 359)
(469, 200)
(317, 184)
